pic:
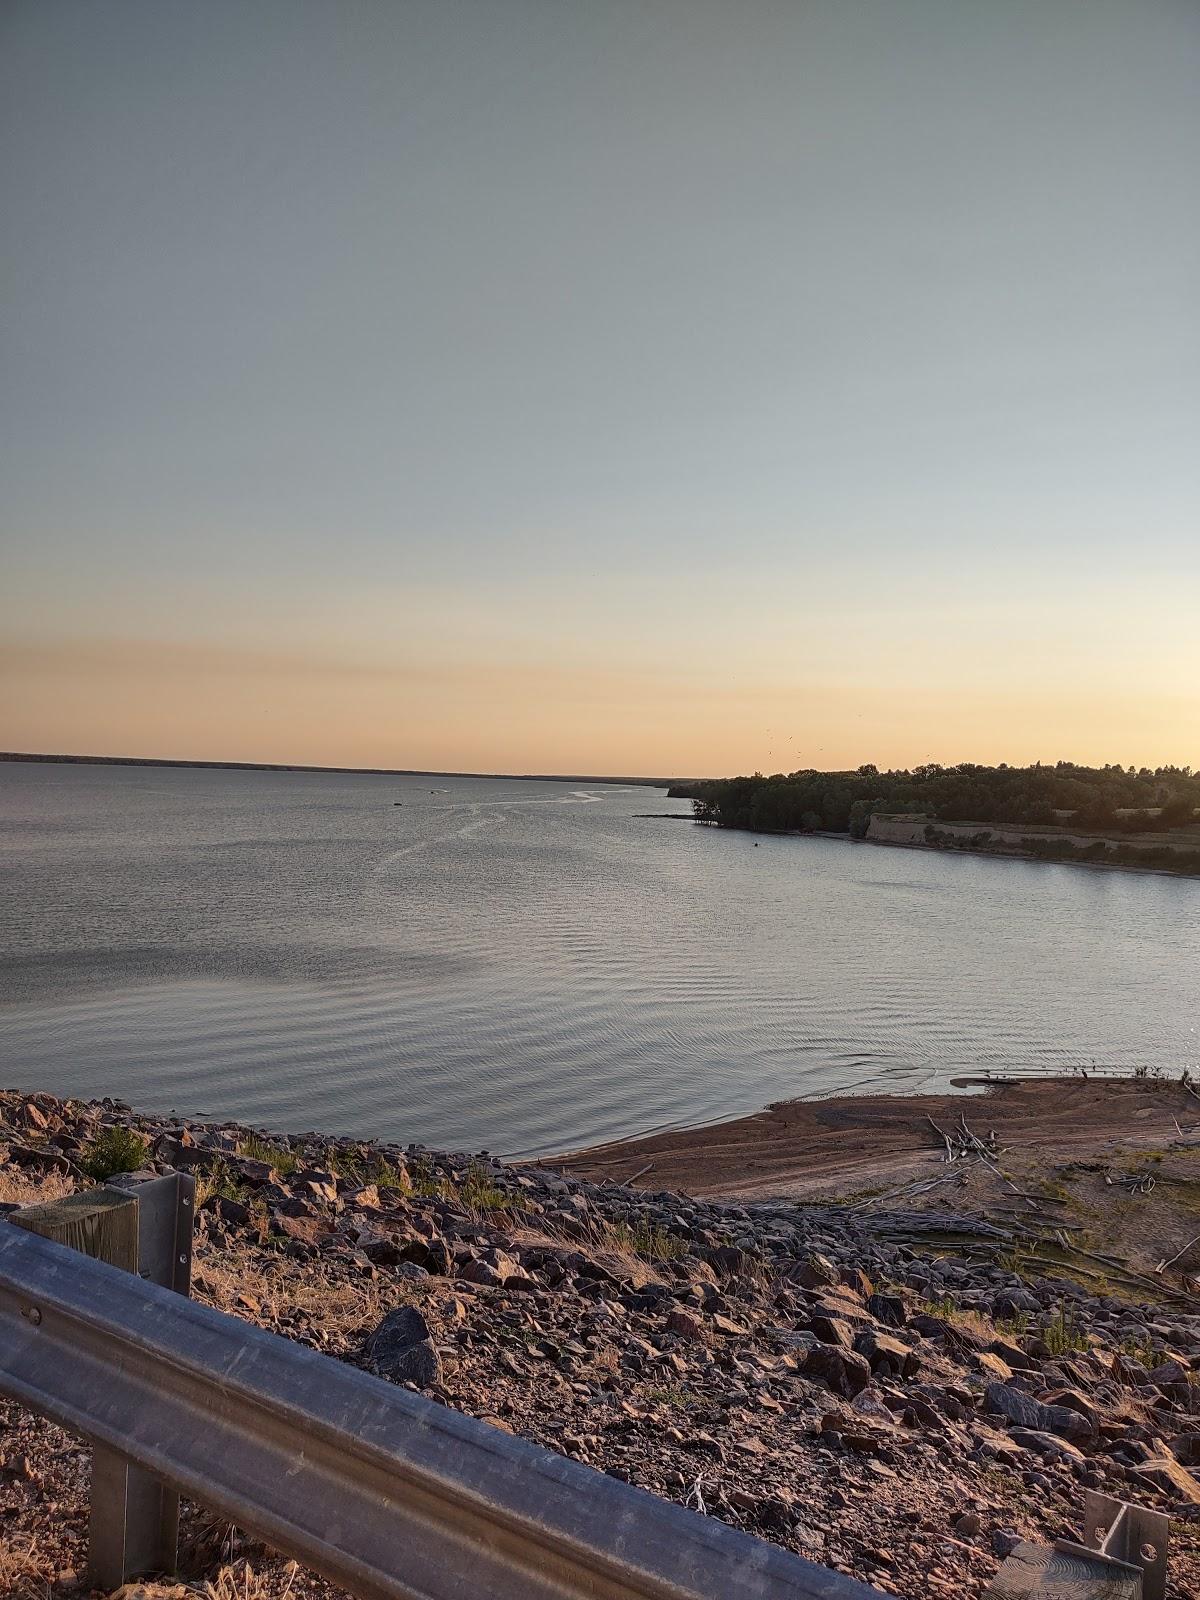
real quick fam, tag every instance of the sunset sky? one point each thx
(634, 386)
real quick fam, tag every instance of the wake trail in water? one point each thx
(479, 819)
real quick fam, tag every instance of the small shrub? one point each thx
(114, 1150)
(1140, 1349)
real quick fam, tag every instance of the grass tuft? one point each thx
(241, 1582)
(22, 1575)
(374, 1168)
(277, 1156)
(219, 1180)
(1064, 1332)
(650, 1241)
(478, 1191)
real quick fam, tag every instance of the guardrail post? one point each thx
(1123, 1556)
(1130, 1533)
(141, 1225)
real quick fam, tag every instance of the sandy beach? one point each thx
(805, 1148)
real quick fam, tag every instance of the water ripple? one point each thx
(527, 966)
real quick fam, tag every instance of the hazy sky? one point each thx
(664, 386)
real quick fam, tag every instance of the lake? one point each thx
(525, 966)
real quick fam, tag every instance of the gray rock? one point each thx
(886, 1354)
(402, 1350)
(1026, 1412)
(888, 1309)
(832, 1330)
(844, 1371)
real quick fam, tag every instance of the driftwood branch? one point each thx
(1171, 1260)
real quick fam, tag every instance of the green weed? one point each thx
(1140, 1349)
(1013, 1327)
(219, 1180)
(643, 1238)
(374, 1169)
(1064, 1333)
(277, 1156)
(943, 1306)
(480, 1193)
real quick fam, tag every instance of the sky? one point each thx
(661, 386)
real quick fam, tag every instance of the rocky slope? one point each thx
(891, 1409)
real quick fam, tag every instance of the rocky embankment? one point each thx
(890, 1409)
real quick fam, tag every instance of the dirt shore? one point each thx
(805, 1148)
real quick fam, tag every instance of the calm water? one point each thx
(529, 966)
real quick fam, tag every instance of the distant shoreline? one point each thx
(1154, 868)
(363, 772)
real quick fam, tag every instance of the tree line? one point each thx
(1109, 799)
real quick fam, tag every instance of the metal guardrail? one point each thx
(385, 1492)
(145, 1225)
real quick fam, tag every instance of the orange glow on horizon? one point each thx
(192, 702)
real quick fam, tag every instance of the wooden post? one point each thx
(145, 1228)
(1036, 1572)
(101, 1222)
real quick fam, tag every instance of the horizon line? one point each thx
(18, 756)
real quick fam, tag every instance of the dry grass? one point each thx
(607, 1358)
(604, 1247)
(22, 1576)
(220, 1562)
(19, 1188)
(972, 1321)
(241, 1582)
(343, 1310)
